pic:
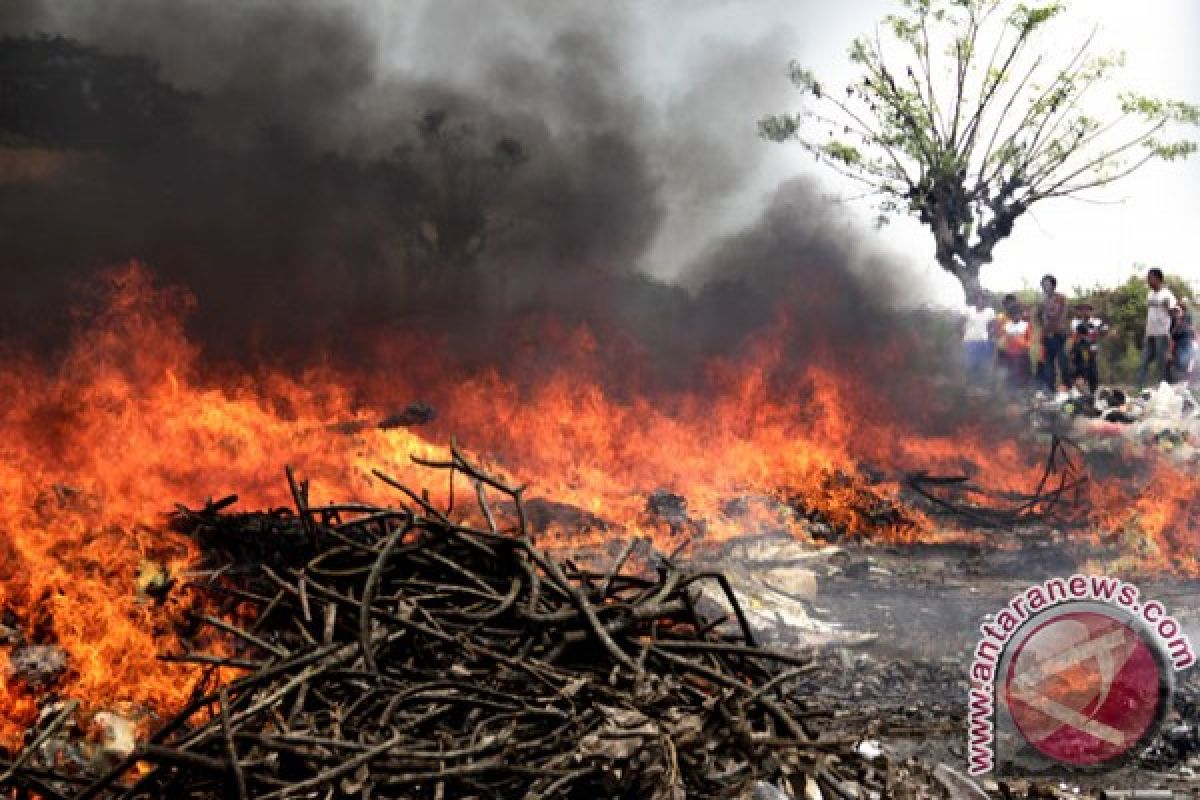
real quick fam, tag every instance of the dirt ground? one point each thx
(922, 606)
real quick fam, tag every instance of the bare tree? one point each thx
(966, 113)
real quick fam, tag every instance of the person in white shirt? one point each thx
(1157, 345)
(978, 347)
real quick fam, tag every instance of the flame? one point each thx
(94, 449)
(1158, 524)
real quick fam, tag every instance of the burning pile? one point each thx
(390, 650)
(92, 446)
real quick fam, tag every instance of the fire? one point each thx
(1159, 526)
(94, 450)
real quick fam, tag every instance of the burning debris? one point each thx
(38, 665)
(409, 416)
(1055, 498)
(400, 649)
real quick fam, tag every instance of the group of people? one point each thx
(1070, 338)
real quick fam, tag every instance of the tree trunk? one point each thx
(967, 272)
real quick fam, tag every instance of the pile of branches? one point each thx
(401, 652)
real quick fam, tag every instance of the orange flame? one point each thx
(92, 452)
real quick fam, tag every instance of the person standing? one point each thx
(1156, 346)
(1085, 352)
(1183, 344)
(978, 347)
(1052, 317)
(1016, 337)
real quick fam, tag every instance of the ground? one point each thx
(924, 605)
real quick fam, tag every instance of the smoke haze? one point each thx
(318, 171)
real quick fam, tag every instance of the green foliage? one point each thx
(1027, 18)
(846, 153)
(969, 140)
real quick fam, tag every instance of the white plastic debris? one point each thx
(870, 749)
(118, 736)
(1165, 402)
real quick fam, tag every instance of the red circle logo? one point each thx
(1084, 688)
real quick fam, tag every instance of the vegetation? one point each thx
(965, 113)
(1124, 309)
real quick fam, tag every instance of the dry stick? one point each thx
(781, 679)
(458, 569)
(579, 599)
(483, 505)
(300, 498)
(300, 586)
(522, 520)
(1038, 505)
(330, 625)
(46, 773)
(428, 507)
(329, 661)
(727, 589)
(376, 517)
(368, 597)
(160, 754)
(728, 682)
(465, 466)
(1055, 444)
(538, 671)
(233, 630)
(239, 776)
(67, 710)
(37, 784)
(617, 566)
(183, 715)
(335, 680)
(334, 533)
(209, 660)
(505, 604)
(327, 778)
(266, 612)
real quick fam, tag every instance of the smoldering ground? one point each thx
(317, 172)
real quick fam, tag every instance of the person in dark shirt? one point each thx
(1084, 352)
(1182, 354)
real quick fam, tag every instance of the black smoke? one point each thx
(312, 184)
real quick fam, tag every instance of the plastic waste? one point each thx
(1165, 402)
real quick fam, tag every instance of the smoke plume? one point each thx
(316, 172)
